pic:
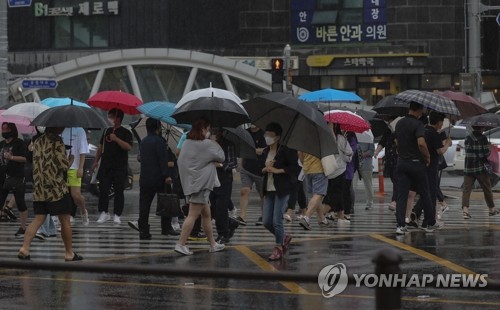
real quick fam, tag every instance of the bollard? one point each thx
(380, 176)
(387, 262)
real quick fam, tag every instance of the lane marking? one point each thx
(439, 260)
(264, 265)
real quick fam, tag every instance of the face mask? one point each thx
(6, 135)
(111, 121)
(41, 129)
(269, 140)
(208, 134)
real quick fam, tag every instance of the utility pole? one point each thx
(3, 54)
(287, 52)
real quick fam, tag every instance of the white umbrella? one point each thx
(24, 113)
(365, 137)
(209, 92)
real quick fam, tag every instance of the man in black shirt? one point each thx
(413, 157)
(113, 150)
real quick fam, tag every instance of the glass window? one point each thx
(339, 82)
(205, 78)
(351, 17)
(327, 4)
(163, 83)
(116, 79)
(246, 91)
(436, 81)
(77, 87)
(324, 17)
(353, 4)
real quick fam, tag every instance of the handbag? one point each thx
(167, 205)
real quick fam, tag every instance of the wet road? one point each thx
(463, 246)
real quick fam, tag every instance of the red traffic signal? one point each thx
(277, 64)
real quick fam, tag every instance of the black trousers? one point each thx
(146, 197)
(116, 177)
(220, 200)
(17, 187)
(432, 178)
(297, 195)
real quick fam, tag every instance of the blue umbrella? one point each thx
(330, 95)
(161, 110)
(59, 102)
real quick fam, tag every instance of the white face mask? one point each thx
(269, 140)
(208, 134)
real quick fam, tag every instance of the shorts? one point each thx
(201, 197)
(316, 183)
(58, 207)
(248, 178)
(73, 180)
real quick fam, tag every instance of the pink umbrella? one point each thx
(348, 120)
(22, 125)
(466, 105)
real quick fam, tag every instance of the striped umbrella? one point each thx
(429, 100)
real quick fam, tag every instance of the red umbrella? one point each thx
(348, 121)
(110, 99)
(467, 105)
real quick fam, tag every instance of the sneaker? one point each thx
(324, 223)
(182, 249)
(104, 217)
(494, 212)
(20, 233)
(222, 240)
(277, 254)
(392, 206)
(304, 222)
(198, 237)
(412, 224)
(368, 207)
(444, 207)
(9, 213)
(401, 230)
(343, 221)
(241, 221)
(330, 216)
(133, 225)
(259, 222)
(85, 217)
(116, 219)
(347, 217)
(466, 215)
(40, 236)
(432, 228)
(216, 248)
(287, 218)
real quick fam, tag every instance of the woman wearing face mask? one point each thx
(197, 164)
(12, 159)
(278, 173)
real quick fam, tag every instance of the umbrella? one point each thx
(110, 99)
(348, 120)
(21, 128)
(221, 112)
(57, 102)
(209, 92)
(70, 116)
(365, 137)
(389, 106)
(330, 95)
(242, 140)
(24, 113)
(304, 128)
(170, 133)
(378, 127)
(483, 120)
(467, 105)
(429, 100)
(161, 110)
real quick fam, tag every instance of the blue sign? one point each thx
(19, 3)
(47, 84)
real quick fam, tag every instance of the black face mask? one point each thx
(6, 135)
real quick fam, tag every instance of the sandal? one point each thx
(467, 215)
(75, 258)
(22, 256)
(9, 213)
(494, 212)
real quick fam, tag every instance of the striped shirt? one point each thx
(477, 150)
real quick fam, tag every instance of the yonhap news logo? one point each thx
(333, 280)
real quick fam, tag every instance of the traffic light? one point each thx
(277, 74)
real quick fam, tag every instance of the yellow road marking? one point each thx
(264, 265)
(441, 261)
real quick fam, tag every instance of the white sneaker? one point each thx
(287, 218)
(116, 219)
(233, 213)
(401, 230)
(182, 249)
(216, 248)
(103, 217)
(343, 221)
(85, 217)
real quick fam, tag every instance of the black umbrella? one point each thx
(242, 140)
(389, 106)
(304, 128)
(70, 116)
(221, 112)
(483, 120)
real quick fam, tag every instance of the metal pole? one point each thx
(474, 26)
(287, 52)
(3, 54)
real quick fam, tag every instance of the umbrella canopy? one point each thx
(242, 140)
(170, 133)
(221, 112)
(429, 100)
(467, 105)
(24, 113)
(209, 92)
(70, 116)
(330, 95)
(161, 110)
(110, 99)
(483, 120)
(304, 128)
(57, 102)
(365, 137)
(367, 115)
(21, 128)
(348, 121)
(389, 106)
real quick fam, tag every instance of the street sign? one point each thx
(19, 3)
(47, 84)
(498, 19)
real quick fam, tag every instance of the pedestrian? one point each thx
(50, 191)
(197, 162)
(76, 139)
(477, 150)
(413, 157)
(112, 153)
(220, 197)
(389, 160)
(366, 150)
(251, 173)
(351, 168)
(279, 171)
(12, 159)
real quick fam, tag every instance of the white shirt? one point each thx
(79, 143)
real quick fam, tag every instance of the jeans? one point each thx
(413, 173)
(272, 215)
(48, 227)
